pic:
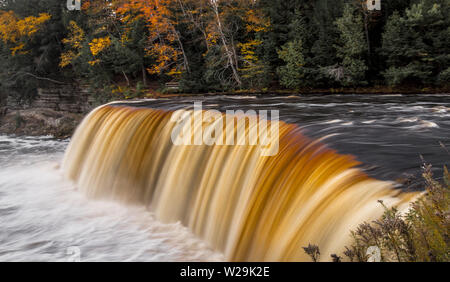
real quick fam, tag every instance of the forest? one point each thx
(123, 47)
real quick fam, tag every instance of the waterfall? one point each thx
(250, 206)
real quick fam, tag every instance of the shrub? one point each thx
(421, 235)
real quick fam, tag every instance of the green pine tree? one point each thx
(293, 73)
(417, 45)
(352, 47)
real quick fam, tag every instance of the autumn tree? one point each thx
(87, 40)
(221, 45)
(164, 43)
(103, 47)
(252, 68)
(223, 29)
(29, 56)
(234, 40)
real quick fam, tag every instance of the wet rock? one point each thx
(38, 122)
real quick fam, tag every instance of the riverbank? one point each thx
(39, 122)
(379, 90)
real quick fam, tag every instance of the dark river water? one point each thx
(387, 133)
(44, 218)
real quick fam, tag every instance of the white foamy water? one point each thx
(333, 121)
(44, 218)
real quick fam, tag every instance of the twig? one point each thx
(41, 78)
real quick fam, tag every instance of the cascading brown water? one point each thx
(249, 206)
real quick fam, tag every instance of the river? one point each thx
(44, 218)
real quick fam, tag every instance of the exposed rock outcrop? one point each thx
(38, 122)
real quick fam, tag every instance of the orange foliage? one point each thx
(15, 31)
(256, 21)
(163, 38)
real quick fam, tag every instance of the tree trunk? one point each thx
(229, 53)
(197, 25)
(126, 78)
(366, 27)
(144, 76)
(185, 60)
(236, 63)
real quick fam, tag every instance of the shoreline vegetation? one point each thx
(419, 235)
(381, 90)
(124, 49)
(38, 121)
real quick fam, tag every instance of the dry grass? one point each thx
(420, 235)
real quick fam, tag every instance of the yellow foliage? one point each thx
(251, 65)
(174, 72)
(99, 44)
(30, 25)
(119, 90)
(76, 36)
(256, 22)
(124, 38)
(211, 35)
(12, 28)
(66, 58)
(18, 48)
(17, 31)
(8, 27)
(74, 41)
(247, 49)
(94, 62)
